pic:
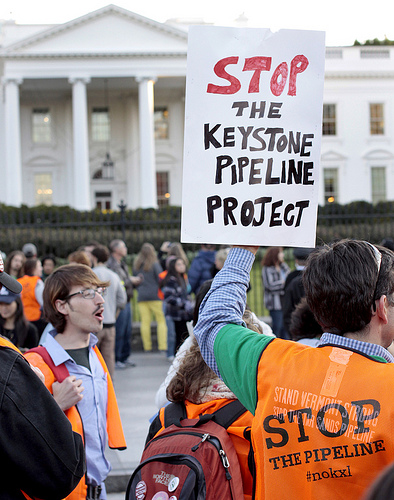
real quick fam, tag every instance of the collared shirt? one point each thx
(357, 345)
(92, 407)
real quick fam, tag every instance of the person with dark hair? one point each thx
(48, 266)
(32, 291)
(274, 273)
(13, 324)
(74, 304)
(172, 250)
(115, 301)
(178, 305)
(14, 264)
(322, 416)
(40, 455)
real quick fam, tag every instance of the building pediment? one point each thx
(378, 154)
(332, 156)
(107, 31)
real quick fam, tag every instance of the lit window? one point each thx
(331, 185)
(376, 119)
(329, 119)
(41, 125)
(162, 185)
(103, 200)
(43, 189)
(161, 123)
(378, 184)
(101, 127)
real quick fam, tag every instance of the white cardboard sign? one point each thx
(253, 126)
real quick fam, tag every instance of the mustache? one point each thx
(98, 308)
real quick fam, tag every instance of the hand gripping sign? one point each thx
(252, 136)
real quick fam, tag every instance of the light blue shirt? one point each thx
(92, 407)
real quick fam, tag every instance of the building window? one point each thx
(161, 123)
(163, 195)
(376, 119)
(43, 189)
(41, 125)
(378, 184)
(103, 200)
(101, 126)
(329, 119)
(331, 185)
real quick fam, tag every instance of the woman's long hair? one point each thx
(21, 324)
(173, 273)
(8, 261)
(146, 258)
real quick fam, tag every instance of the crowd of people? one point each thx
(313, 382)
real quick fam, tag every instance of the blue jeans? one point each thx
(278, 327)
(123, 334)
(171, 336)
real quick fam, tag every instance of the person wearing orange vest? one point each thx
(32, 290)
(40, 454)
(202, 392)
(74, 305)
(323, 416)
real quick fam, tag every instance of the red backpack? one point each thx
(191, 459)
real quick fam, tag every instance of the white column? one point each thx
(13, 173)
(147, 143)
(81, 172)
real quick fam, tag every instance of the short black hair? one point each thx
(342, 281)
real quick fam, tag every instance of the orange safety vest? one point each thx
(324, 422)
(236, 431)
(116, 437)
(31, 307)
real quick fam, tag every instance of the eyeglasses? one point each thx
(378, 259)
(89, 293)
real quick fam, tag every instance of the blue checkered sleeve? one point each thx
(224, 303)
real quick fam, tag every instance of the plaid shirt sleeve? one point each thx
(224, 303)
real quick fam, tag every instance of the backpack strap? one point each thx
(61, 372)
(226, 415)
(174, 413)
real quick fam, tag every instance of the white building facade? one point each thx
(92, 114)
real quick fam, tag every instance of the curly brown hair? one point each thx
(193, 373)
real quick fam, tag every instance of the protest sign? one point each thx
(253, 125)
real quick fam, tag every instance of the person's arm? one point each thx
(38, 291)
(121, 295)
(226, 344)
(38, 446)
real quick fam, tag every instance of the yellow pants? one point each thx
(147, 310)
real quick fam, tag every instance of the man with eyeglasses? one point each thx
(323, 417)
(75, 371)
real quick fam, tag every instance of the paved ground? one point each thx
(135, 390)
